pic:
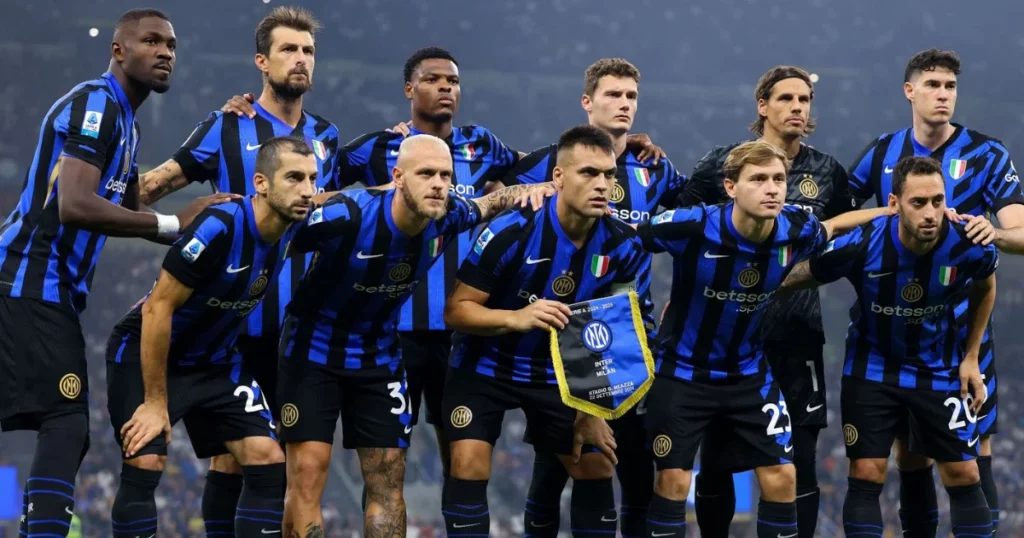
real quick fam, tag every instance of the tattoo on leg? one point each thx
(314, 531)
(384, 473)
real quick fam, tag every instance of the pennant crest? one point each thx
(601, 359)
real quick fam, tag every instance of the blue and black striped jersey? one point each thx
(980, 180)
(345, 311)
(721, 284)
(523, 256)
(901, 330)
(639, 189)
(478, 158)
(222, 151)
(40, 257)
(229, 266)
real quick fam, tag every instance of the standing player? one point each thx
(817, 183)
(82, 186)
(610, 97)
(907, 367)
(171, 356)
(222, 150)
(523, 271)
(729, 261)
(980, 180)
(339, 344)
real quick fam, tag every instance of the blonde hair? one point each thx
(755, 152)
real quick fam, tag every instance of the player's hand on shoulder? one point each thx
(541, 314)
(648, 149)
(591, 430)
(979, 229)
(148, 421)
(403, 128)
(240, 105)
(187, 215)
(535, 197)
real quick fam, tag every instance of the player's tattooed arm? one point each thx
(800, 278)
(161, 181)
(151, 417)
(384, 475)
(502, 199)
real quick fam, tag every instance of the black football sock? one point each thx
(220, 499)
(261, 504)
(134, 510)
(988, 485)
(919, 505)
(543, 502)
(50, 488)
(666, 518)
(592, 509)
(715, 503)
(968, 511)
(776, 520)
(862, 511)
(465, 508)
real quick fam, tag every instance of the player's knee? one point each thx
(225, 463)
(673, 484)
(959, 473)
(471, 460)
(383, 473)
(906, 460)
(260, 451)
(307, 468)
(869, 469)
(985, 446)
(778, 482)
(148, 462)
(592, 466)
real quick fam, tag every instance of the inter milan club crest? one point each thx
(749, 277)
(259, 285)
(618, 193)
(597, 336)
(912, 292)
(957, 168)
(808, 187)
(319, 149)
(400, 272)
(563, 285)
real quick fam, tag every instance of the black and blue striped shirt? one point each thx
(901, 328)
(721, 284)
(229, 267)
(345, 312)
(222, 151)
(478, 158)
(523, 256)
(41, 258)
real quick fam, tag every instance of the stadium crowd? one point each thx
(531, 70)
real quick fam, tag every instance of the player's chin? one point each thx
(769, 210)
(160, 86)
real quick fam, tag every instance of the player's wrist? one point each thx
(167, 224)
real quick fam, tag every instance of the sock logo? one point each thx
(461, 416)
(67, 509)
(849, 434)
(70, 386)
(788, 535)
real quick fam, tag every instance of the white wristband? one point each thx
(167, 224)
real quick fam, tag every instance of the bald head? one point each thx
(422, 146)
(423, 174)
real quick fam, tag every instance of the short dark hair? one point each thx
(615, 67)
(428, 53)
(268, 160)
(296, 18)
(930, 59)
(767, 83)
(586, 136)
(913, 166)
(133, 16)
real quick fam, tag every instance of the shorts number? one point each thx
(775, 411)
(396, 392)
(814, 376)
(250, 398)
(641, 408)
(955, 405)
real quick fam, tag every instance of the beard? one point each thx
(420, 211)
(290, 91)
(281, 206)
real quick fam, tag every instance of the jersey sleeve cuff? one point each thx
(182, 271)
(85, 152)
(476, 277)
(192, 169)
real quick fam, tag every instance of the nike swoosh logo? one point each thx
(394, 153)
(888, 170)
(265, 531)
(878, 275)
(981, 417)
(251, 147)
(815, 408)
(541, 526)
(972, 442)
(123, 140)
(233, 270)
(531, 261)
(457, 526)
(656, 534)
(68, 510)
(606, 520)
(786, 536)
(408, 430)
(789, 448)
(362, 256)
(710, 256)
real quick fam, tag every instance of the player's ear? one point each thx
(116, 51)
(558, 177)
(762, 107)
(261, 63)
(893, 201)
(408, 90)
(587, 103)
(261, 183)
(397, 178)
(908, 91)
(730, 187)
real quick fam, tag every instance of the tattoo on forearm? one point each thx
(157, 183)
(502, 199)
(799, 277)
(384, 474)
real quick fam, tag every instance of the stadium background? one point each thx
(522, 64)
